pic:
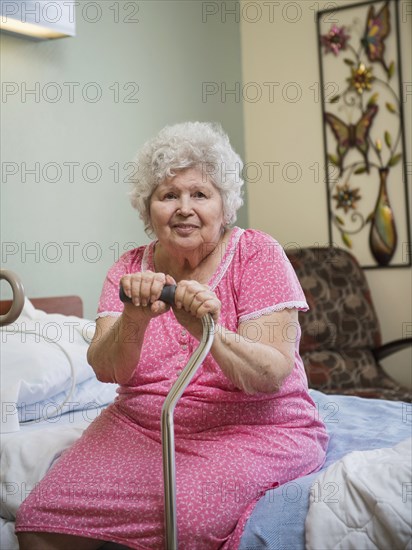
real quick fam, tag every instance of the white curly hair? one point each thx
(201, 145)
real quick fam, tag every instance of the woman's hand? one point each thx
(192, 301)
(144, 289)
(115, 350)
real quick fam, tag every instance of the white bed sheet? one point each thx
(26, 456)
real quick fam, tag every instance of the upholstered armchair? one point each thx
(341, 341)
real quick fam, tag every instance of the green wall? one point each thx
(65, 215)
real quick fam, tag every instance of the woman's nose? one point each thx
(185, 207)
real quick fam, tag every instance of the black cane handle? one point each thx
(167, 295)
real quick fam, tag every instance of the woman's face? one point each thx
(187, 211)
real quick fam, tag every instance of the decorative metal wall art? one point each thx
(363, 124)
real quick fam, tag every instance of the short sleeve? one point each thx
(267, 281)
(110, 303)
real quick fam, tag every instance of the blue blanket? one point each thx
(353, 423)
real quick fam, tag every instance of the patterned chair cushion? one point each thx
(341, 328)
(341, 312)
(352, 372)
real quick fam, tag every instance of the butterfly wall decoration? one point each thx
(364, 138)
(376, 31)
(352, 135)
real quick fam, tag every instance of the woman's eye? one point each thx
(199, 195)
(169, 196)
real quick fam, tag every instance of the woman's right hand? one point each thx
(144, 289)
(115, 350)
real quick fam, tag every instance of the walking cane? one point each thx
(167, 427)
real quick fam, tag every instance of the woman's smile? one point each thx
(184, 228)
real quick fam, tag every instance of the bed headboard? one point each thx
(66, 305)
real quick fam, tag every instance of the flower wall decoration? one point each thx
(335, 40)
(365, 162)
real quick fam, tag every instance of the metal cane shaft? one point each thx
(168, 444)
(168, 434)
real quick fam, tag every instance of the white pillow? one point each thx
(87, 396)
(42, 355)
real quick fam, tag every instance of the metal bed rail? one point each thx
(18, 297)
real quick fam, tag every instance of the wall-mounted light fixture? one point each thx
(38, 20)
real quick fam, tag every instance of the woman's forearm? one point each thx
(114, 353)
(250, 366)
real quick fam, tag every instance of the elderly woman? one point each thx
(245, 423)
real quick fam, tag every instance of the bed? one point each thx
(361, 498)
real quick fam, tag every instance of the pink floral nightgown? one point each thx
(230, 446)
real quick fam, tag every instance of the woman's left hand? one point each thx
(193, 300)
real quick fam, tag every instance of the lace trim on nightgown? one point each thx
(301, 305)
(227, 258)
(147, 256)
